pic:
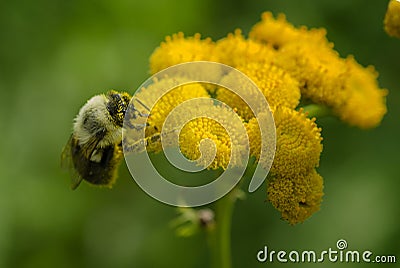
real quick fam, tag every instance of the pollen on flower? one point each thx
(298, 143)
(235, 50)
(278, 87)
(392, 19)
(200, 129)
(279, 32)
(365, 104)
(290, 66)
(166, 103)
(324, 77)
(230, 149)
(254, 134)
(178, 49)
(319, 70)
(297, 197)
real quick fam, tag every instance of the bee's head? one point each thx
(117, 105)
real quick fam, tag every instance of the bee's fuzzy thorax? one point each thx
(94, 121)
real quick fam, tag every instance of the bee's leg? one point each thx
(132, 112)
(136, 147)
(140, 145)
(144, 105)
(143, 114)
(135, 126)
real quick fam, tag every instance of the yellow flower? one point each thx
(298, 142)
(178, 49)
(215, 127)
(205, 128)
(319, 70)
(306, 55)
(325, 78)
(351, 90)
(235, 50)
(392, 19)
(287, 64)
(166, 103)
(278, 32)
(295, 188)
(365, 104)
(297, 198)
(278, 87)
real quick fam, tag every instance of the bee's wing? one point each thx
(89, 147)
(68, 164)
(66, 156)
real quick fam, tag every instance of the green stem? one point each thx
(221, 237)
(315, 110)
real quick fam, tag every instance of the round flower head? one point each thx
(324, 77)
(278, 87)
(196, 131)
(365, 104)
(216, 129)
(298, 144)
(167, 102)
(235, 50)
(341, 84)
(278, 32)
(298, 197)
(392, 19)
(319, 70)
(178, 49)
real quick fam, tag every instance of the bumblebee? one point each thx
(94, 150)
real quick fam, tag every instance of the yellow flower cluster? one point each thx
(297, 198)
(298, 149)
(166, 103)
(365, 105)
(324, 77)
(215, 127)
(278, 32)
(392, 19)
(298, 146)
(178, 49)
(278, 87)
(235, 50)
(290, 66)
(199, 129)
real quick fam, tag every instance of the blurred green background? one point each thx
(54, 55)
